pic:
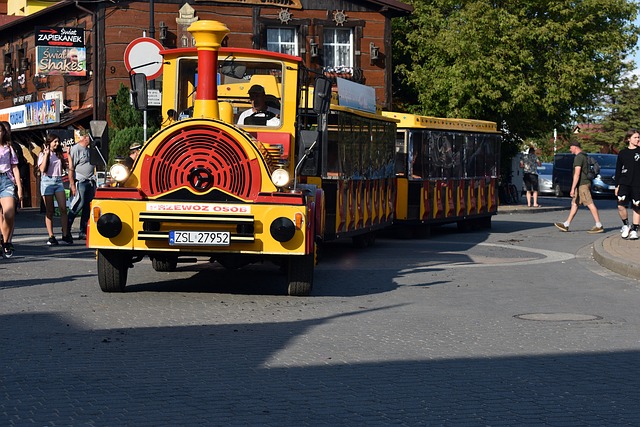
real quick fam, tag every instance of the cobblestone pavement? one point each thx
(510, 327)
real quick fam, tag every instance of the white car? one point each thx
(545, 179)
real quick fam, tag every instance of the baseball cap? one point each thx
(256, 90)
(135, 146)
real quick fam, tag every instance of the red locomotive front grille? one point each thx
(200, 158)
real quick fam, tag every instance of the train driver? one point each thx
(260, 113)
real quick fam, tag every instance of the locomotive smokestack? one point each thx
(208, 36)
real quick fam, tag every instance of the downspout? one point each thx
(94, 61)
(152, 34)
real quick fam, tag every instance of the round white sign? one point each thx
(143, 56)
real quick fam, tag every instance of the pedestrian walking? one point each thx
(10, 188)
(580, 191)
(82, 182)
(530, 163)
(628, 184)
(52, 164)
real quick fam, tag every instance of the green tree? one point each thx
(528, 65)
(622, 113)
(127, 125)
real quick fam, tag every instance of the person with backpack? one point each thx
(9, 180)
(580, 191)
(628, 184)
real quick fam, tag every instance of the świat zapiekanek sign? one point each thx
(60, 51)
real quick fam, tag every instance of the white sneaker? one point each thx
(633, 235)
(625, 231)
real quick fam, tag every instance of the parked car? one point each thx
(545, 179)
(603, 185)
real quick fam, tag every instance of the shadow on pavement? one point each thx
(56, 373)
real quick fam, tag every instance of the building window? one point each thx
(282, 40)
(338, 49)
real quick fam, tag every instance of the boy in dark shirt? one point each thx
(628, 184)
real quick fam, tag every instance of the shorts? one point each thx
(530, 182)
(583, 196)
(7, 187)
(50, 185)
(628, 194)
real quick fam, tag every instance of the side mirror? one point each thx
(139, 92)
(99, 142)
(322, 95)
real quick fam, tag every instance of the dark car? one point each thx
(603, 185)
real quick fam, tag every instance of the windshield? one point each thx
(607, 161)
(244, 84)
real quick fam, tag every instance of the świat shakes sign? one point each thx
(60, 51)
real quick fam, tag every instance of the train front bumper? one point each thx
(195, 227)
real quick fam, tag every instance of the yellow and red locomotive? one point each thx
(238, 187)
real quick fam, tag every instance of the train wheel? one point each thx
(164, 264)
(371, 238)
(485, 222)
(112, 270)
(361, 241)
(300, 276)
(464, 226)
(404, 232)
(422, 231)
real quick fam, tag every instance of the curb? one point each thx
(602, 253)
(516, 209)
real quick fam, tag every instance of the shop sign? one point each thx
(24, 99)
(57, 36)
(60, 51)
(65, 136)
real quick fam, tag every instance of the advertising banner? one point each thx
(32, 114)
(356, 95)
(60, 51)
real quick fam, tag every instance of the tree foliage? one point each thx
(126, 125)
(622, 114)
(528, 65)
(121, 112)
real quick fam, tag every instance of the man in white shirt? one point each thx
(260, 113)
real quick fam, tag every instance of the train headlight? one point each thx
(280, 177)
(119, 172)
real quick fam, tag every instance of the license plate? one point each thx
(203, 238)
